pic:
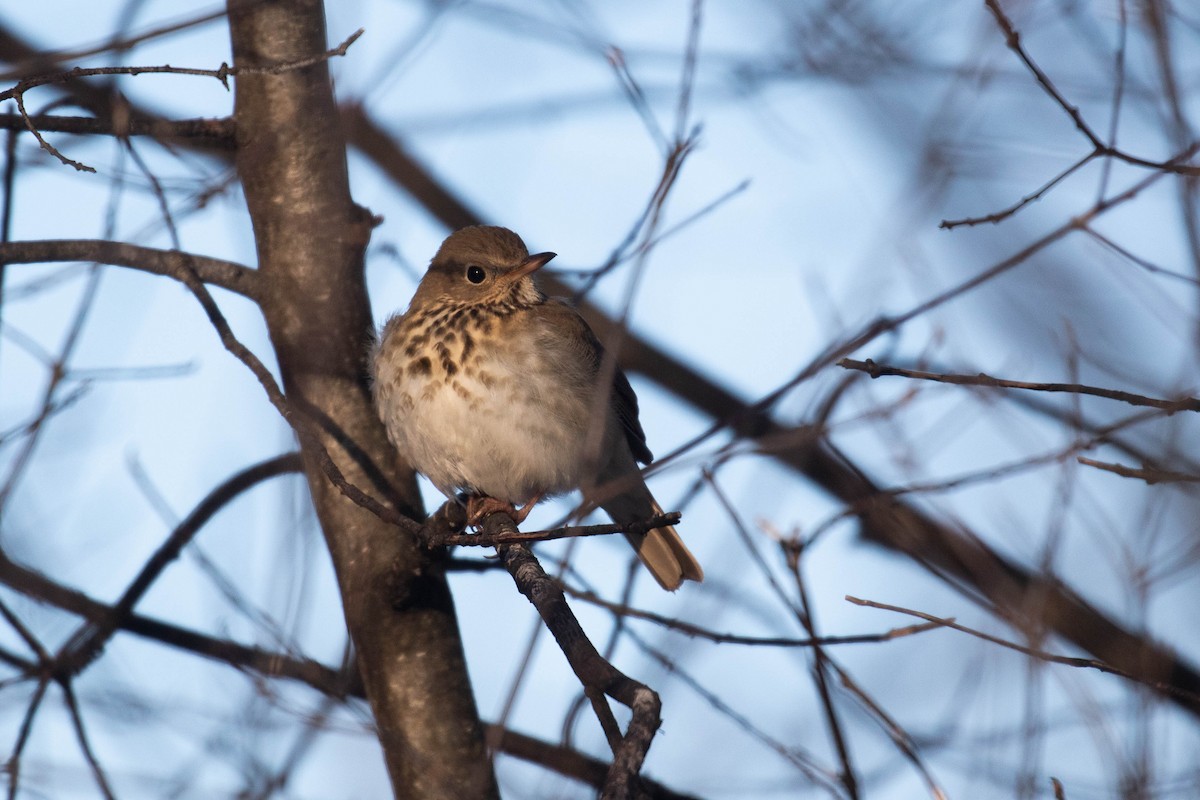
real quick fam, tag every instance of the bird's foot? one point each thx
(479, 506)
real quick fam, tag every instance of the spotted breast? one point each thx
(477, 418)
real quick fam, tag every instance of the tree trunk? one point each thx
(310, 239)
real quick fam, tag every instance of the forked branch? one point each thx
(600, 679)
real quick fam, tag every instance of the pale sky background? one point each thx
(850, 164)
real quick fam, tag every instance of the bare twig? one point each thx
(1100, 148)
(58, 371)
(795, 755)
(89, 640)
(1124, 252)
(14, 761)
(1032, 197)
(85, 745)
(31, 641)
(637, 98)
(8, 187)
(271, 664)
(822, 666)
(182, 269)
(222, 74)
(113, 44)
(982, 379)
(49, 148)
(696, 631)
(1150, 475)
(1041, 655)
(226, 274)
(502, 537)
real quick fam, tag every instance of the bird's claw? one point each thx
(479, 506)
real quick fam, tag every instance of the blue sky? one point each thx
(854, 142)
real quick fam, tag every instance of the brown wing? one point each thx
(624, 401)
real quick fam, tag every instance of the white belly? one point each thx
(481, 432)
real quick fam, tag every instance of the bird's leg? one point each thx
(519, 514)
(480, 505)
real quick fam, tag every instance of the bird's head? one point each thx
(481, 265)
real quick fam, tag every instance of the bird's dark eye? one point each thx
(475, 274)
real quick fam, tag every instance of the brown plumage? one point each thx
(488, 387)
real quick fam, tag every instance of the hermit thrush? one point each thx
(489, 388)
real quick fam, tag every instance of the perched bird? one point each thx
(490, 388)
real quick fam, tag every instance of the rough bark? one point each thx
(310, 239)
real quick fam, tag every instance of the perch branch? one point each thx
(486, 539)
(599, 678)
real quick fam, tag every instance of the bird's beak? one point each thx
(531, 265)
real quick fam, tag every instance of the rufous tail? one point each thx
(665, 555)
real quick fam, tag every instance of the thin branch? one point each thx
(633, 92)
(222, 74)
(1041, 655)
(1150, 475)
(270, 664)
(687, 80)
(1118, 92)
(793, 549)
(1000, 216)
(795, 755)
(115, 45)
(304, 426)
(31, 641)
(642, 235)
(900, 737)
(224, 585)
(160, 196)
(226, 274)
(698, 632)
(567, 761)
(1137, 260)
(1158, 18)
(8, 188)
(89, 640)
(822, 666)
(1013, 40)
(596, 674)
(13, 767)
(43, 415)
(49, 148)
(495, 539)
(85, 745)
(981, 379)
(58, 371)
